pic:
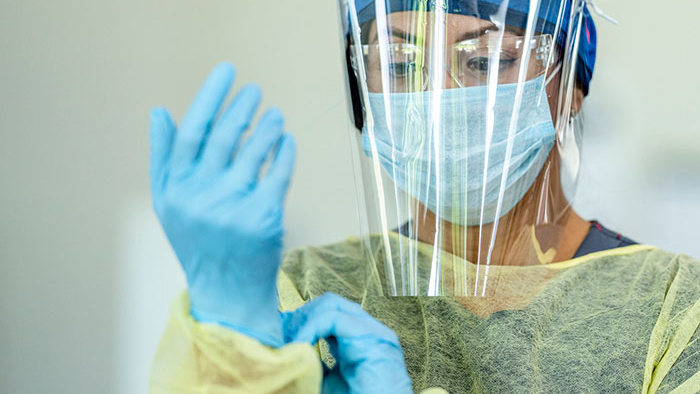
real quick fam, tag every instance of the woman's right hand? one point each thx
(222, 219)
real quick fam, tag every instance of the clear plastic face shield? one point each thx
(467, 146)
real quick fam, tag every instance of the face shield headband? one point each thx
(553, 18)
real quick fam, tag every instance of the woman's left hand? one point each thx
(369, 358)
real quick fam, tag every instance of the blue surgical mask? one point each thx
(457, 172)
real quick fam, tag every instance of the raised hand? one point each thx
(222, 219)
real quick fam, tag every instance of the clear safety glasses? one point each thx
(404, 67)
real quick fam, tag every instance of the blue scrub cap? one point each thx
(516, 16)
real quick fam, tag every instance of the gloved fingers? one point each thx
(276, 181)
(326, 324)
(247, 163)
(294, 321)
(200, 116)
(228, 129)
(359, 341)
(161, 134)
(331, 315)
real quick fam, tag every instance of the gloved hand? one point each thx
(368, 354)
(224, 223)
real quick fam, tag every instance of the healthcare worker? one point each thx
(472, 274)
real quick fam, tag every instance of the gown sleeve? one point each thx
(207, 358)
(673, 361)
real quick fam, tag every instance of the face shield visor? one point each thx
(466, 139)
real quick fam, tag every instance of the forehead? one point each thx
(518, 13)
(423, 23)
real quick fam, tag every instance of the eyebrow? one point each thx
(486, 29)
(406, 36)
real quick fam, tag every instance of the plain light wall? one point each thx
(87, 275)
(641, 161)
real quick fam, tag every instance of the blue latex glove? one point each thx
(224, 223)
(368, 354)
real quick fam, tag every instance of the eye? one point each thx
(401, 69)
(480, 64)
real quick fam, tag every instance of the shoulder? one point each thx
(642, 266)
(686, 273)
(668, 260)
(331, 256)
(635, 257)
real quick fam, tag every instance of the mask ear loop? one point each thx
(554, 73)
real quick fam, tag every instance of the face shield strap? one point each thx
(516, 16)
(600, 12)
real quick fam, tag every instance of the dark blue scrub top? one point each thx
(600, 238)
